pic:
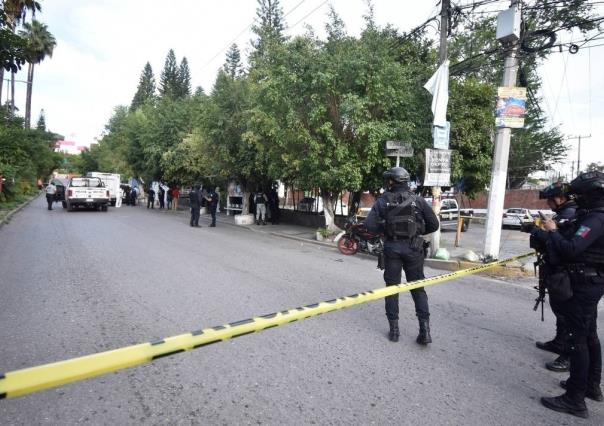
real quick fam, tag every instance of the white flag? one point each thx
(438, 85)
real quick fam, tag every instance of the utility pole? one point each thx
(436, 190)
(502, 150)
(579, 152)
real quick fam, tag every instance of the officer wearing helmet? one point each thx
(582, 254)
(403, 217)
(560, 200)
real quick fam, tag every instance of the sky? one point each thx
(103, 45)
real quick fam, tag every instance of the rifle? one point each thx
(541, 288)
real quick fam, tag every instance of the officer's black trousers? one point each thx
(50, 198)
(561, 327)
(581, 312)
(195, 216)
(213, 214)
(400, 256)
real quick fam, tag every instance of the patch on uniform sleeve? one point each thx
(583, 231)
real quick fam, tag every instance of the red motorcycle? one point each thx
(356, 237)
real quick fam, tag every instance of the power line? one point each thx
(310, 13)
(243, 31)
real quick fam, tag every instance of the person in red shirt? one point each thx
(175, 195)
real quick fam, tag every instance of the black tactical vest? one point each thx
(401, 219)
(594, 254)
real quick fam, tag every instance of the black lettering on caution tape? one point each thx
(166, 354)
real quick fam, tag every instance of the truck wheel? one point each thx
(104, 208)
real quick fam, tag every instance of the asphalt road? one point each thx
(77, 283)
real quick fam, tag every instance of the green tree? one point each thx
(145, 91)
(40, 44)
(169, 83)
(233, 65)
(16, 12)
(269, 28)
(326, 109)
(227, 153)
(26, 155)
(184, 79)
(12, 49)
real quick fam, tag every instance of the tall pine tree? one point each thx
(184, 79)
(270, 29)
(169, 82)
(233, 65)
(41, 121)
(146, 88)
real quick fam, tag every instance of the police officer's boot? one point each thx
(423, 338)
(394, 331)
(559, 365)
(556, 345)
(566, 404)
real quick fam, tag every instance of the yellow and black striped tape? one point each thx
(28, 380)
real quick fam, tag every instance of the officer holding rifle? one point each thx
(578, 288)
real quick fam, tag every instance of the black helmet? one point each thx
(397, 174)
(556, 189)
(588, 182)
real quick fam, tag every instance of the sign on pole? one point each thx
(511, 107)
(440, 135)
(398, 149)
(438, 167)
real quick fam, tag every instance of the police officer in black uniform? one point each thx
(195, 202)
(563, 204)
(583, 257)
(403, 217)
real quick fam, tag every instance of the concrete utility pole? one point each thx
(501, 156)
(436, 190)
(578, 152)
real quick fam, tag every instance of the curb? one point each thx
(445, 265)
(14, 211)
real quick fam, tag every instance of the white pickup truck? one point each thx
(450, 212)
(86, 192)
(111, 181)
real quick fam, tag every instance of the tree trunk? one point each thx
(245, 207)
(329, 201)
(1, 83)
(12, 93)
(30, 82)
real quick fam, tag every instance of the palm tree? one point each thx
(40, 43)
(16, 11)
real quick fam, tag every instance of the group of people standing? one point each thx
(198, 198)
(164, 195)
(572, 247)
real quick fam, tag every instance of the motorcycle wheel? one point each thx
(347, 245)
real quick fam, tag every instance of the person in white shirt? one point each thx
(51, 191)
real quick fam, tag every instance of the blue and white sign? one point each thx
(441, 136)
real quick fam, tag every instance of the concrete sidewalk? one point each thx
(513, 243)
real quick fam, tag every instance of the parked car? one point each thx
(516, 216)
(87, 192)
(450, 212)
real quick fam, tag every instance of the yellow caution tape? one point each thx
(28, 380)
